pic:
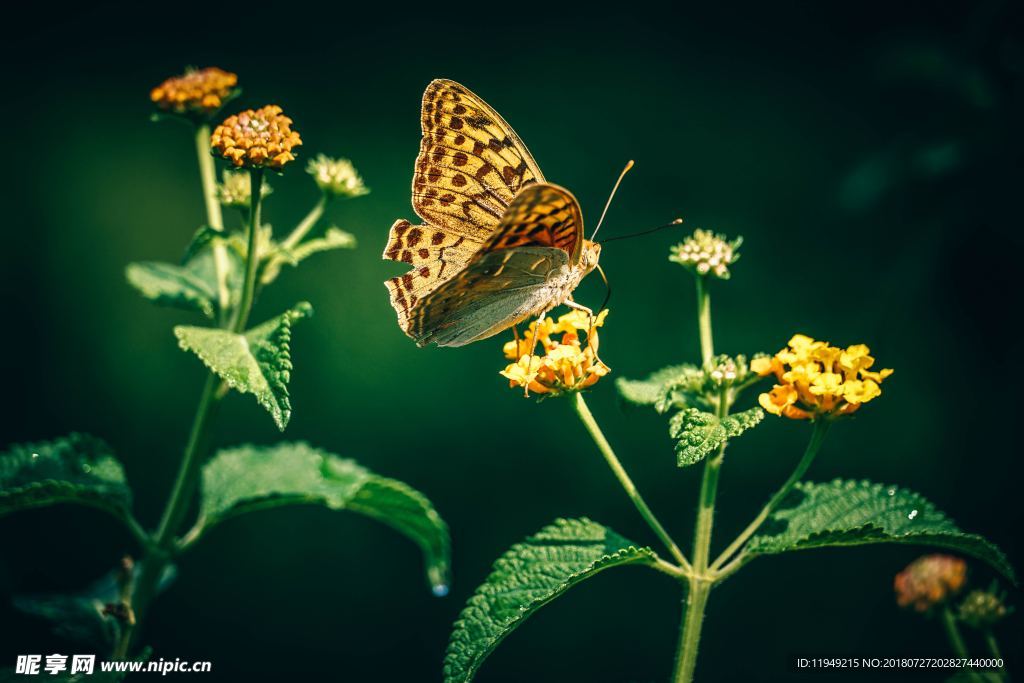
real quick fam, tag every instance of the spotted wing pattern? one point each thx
(471, 163)
(509, 278)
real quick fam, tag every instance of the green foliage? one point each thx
(333, 238)
(257, 362)
(663, 388)
(74, 469)
(78, 616)
(527, 577)
(699, 433)
(248, 478)
(170, 285)
(847, 513)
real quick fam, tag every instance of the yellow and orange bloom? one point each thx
(815, 379)
(929, 581)
(199, 92)
(256, 138)
(554, 365)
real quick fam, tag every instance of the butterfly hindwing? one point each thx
(471, 163)
(541, 215)
(495, 291)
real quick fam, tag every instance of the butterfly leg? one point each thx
(593, 319)
(533, 346)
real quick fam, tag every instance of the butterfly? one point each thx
(498, 244)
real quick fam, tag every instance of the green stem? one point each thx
(252, 259)
(620, 473)
(214, 218)
(707, 347)
(306, 224)
(689, 634)
(956, 641)
(813, 446)
(993, 649)
(164, 547)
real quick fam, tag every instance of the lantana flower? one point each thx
(556, 364)
(256, 138)
(235, 189)
(983, 609)
(929, 581)
(336, 177)
(816, 379)
(199, 92)
(707, 253)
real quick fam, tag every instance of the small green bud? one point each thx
(707, 253)
(337, 177)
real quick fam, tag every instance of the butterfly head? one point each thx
(590, 256)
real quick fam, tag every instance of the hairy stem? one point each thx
(214, 218)
(620, 473)
(956, 640)
(813, 446)
(689, 633)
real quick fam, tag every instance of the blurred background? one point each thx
(869, 154)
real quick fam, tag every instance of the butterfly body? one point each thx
(499, 244)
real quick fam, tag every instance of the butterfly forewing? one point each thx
(471, 163)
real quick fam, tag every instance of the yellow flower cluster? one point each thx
(817, 379)
(929, 581)
(201, 91)
(560, 365)
(256, 138)
(336, 176)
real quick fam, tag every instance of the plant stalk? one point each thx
(707, 346)
(813, 446)
(689, 633)
(214, 218)
(620, 473)
(252, 257)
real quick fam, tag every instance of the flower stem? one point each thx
(707, 347)
(689, 633)
(163, 548)
(813, 446)
(956, 641)
(993, 649)
(252, 257)
(306, 224)
(214, 218)
(620, 473)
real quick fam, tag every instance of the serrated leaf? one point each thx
(699, 433)
(257, 362)
(846, 513)
(655, 390)
(248, 478)
(75, 469)
(527, 577)
(169, 285)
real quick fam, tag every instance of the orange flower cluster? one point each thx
(818, 379)
(201, 91)
(256, 138)
(929, 581)
(564, 365)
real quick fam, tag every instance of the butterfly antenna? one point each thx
(629, 165)
(607, 287)
(677, 221)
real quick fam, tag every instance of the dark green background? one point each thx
(868, 153)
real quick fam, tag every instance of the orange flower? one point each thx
(256, 138)
(201, 92)
(815, 379)
(559, 365)
(930, 580)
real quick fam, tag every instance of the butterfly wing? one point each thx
(514, 276)
(470, 166)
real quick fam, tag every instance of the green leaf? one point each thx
(170, 285)
(659, 386)
(257, 362)
(75, 469)
(201, 239)
(527, 577)
(847, 513)
(700, 433)
(248, 478)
